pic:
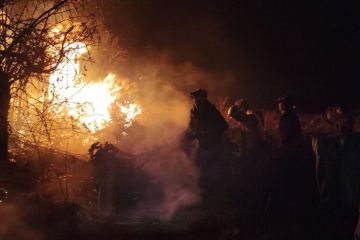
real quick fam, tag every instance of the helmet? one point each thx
(199, 93)
(243, 104)
(233, 110)
(236, 112)
(287, 101)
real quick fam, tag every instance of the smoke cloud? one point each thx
(162, 89)
(13, 226)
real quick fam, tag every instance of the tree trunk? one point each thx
(4, 111)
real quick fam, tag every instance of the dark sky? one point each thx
(309, 49)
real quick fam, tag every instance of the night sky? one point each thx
(308, 49)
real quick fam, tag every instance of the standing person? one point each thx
(290, 133)
(251, 126)
(207, 126)
(338, 175)
(288, 201)
(338, 181)
(341, 121)
(253, 171)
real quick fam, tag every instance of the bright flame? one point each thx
(89, 103)
(130, 112)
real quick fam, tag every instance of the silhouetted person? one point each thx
(207, 126)
(251, 125)
(288, 194)
(338, 179)
(253, 169)
(338, 175)
(290, 133)
(341, 121)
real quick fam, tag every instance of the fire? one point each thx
(69, 111)
(130, 112)
(89, 103)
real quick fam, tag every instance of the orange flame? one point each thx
(89, 103)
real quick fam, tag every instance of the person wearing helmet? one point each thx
(340, 120)
(254, 167)
(207, 127)
(290, 132)
(251, 126)
(338, 176)
(289, 202)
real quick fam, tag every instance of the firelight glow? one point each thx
(89, 103)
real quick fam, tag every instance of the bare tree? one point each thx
(35, 37)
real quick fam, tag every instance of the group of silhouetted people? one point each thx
(275, 182)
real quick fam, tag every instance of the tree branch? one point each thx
(33, 25)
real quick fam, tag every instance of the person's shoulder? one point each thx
(193, 110)
(295, 116)
(210, 106)
(290, 114)
(253, 119)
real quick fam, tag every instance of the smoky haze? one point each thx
(306, 49)
(162, 90)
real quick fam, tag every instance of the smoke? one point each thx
(162, 90)
(175, 175)
(155, 137)
(13, 226)
(161, 86)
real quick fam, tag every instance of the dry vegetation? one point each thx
(52, 192)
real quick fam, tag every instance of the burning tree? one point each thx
(35, 37)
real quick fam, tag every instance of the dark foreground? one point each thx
(45, 200)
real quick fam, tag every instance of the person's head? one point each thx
(239, 109)
(285, 104)
(338, 109)
(199, 96)
(237, 113)
(243, 105)
(233, 111)
(333, 112)
(281, 107)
